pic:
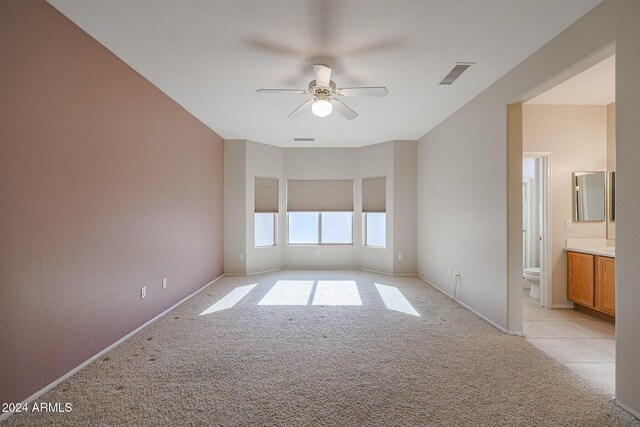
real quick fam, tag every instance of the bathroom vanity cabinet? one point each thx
(606, 285)
(591, 281)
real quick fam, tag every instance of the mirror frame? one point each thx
(574, 186)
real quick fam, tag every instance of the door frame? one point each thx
(546, 282)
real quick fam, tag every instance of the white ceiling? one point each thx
(211, 56)
(594, 86)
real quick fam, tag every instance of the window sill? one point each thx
(318, 244)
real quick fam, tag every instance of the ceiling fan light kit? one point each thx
(326, 95)
(321, 107)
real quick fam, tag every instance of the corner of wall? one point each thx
(405, 210)
(234, 206)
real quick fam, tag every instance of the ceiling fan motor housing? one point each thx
(322, 92)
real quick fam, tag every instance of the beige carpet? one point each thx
(326, 365)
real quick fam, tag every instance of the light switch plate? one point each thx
(567, 224)
(143, 292)
(164, 283)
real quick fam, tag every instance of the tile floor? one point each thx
(583, 343)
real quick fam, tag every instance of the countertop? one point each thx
(600, 247)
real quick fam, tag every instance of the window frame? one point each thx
(320, 243)
(365, 234)
(275, 230)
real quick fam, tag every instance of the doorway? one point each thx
(536, 235)
(574, 122)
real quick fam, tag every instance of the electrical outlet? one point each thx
(567, 224)
(400, 256)
(240, 257)
(143, 292)
(164, 283)
(450, 271)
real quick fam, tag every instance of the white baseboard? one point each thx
(263, 271)
(569, 305)
(626, 408)
(483, 317)
(387, 273)
(318, 268)
(323, 269)
(437, 288)
(46, 388)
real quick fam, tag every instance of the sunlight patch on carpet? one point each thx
(229, 300)
(288, 292)
(394, 300)
(337, 292)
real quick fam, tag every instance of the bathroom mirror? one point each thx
(612, 196)
(611, 204)
(589, 196)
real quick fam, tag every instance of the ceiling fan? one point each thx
(325, 95)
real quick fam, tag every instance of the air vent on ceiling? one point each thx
(457, 70)
(304, 139)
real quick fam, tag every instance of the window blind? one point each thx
(374, 194)
(322, 195)
(266, 195)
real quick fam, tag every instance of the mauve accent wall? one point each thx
(106, 185)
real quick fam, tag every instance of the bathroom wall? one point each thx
(576, 137)
(611, 159)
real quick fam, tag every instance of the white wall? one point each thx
(376, 160)
(234, 206)
(611, 161)
(469, 222)
(576, 137)
(405, 208)
(321, 163)
(265, 161)
(248, 159)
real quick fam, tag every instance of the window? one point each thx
(375, 229)
(266, 208)
(374, 207)
(320, 212)
(320, 228)
(303, 228)
(337, 228)
(265, 229)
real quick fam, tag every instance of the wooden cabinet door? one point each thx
(606, 284)
(580, 287)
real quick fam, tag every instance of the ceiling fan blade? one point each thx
(323, 74)
(301, 91)
(364, 91)
(342, 108)
(303, 108)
